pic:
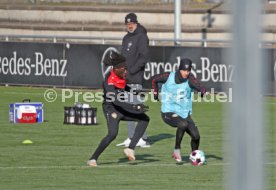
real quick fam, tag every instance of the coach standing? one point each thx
(135, 48)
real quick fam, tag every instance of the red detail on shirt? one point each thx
(113, 79)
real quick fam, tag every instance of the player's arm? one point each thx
(194, 84)
(113, 95)
(160, 78)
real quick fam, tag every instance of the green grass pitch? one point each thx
(57, 158)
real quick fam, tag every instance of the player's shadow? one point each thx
(185, 160)
(141, 158)
(213, 156)
(153, 139)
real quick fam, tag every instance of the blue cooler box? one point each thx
(14, 108)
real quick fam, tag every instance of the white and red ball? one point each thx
(197, 158)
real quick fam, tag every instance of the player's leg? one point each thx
(143, 141)
(192, 130)
(181, 125)
(176, 121)
(131, 124)
(142, 123)
(113, 119)
(135, 99)
(178, 138)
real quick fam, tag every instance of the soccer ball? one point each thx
(197, 158)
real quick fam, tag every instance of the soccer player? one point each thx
(176, 103)
(116, 109)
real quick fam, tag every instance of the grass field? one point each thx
(57, 158)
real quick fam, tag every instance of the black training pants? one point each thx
(113, 118)
(182, 125)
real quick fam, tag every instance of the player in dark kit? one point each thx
(176, 103)
(117, 109)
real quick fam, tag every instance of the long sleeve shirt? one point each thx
(162, 78)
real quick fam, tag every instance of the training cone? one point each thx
(27, 142)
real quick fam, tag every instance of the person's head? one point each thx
(118, 62)
(185, 67)
(131, 22)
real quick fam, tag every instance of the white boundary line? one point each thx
(112, 166)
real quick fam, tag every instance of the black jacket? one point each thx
(135, 48)
(113, 99)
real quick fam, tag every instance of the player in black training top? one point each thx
(116, 109)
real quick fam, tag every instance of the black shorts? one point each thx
(176, 121)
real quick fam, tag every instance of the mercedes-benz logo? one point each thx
(105, 69)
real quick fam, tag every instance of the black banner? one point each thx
(80, 65)
(208, 65)
(32, 63)
(51, 64)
